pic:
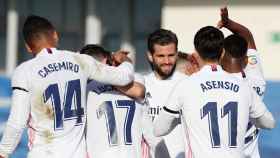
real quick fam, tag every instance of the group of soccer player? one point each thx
(92, 104)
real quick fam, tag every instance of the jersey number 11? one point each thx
(229, 109)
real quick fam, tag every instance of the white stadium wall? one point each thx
(185, 18)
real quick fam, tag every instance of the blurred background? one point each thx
(125, 24)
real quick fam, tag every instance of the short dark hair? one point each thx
(97, 52)
(236, 46)
(34, 27)
(208, 42)
(161, 37)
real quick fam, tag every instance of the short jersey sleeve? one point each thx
(20, 78)
(257, 107)
(174, 102)
(255, 73)
(121, 75)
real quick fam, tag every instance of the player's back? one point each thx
(57, 81)
(216, 111)
(114, 125)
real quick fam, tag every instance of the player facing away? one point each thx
(215, 105)
(49, 94)
(115, 121)
(162, 55)
(238, 59)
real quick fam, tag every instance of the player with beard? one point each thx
(214, 105)
(116, 115)
(162, 55)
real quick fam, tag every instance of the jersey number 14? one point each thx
(71, 107)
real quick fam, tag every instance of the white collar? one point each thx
(46, 51)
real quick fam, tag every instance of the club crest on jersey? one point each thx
(252, 60)
(148, 95)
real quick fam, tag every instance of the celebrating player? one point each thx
(215, 105)
(49, 94)
(115, 121)
(235, 60)
(162, 55)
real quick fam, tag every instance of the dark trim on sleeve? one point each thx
(170, 111)
(19, 88)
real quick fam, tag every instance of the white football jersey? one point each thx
(56, 81)
(216, 107)
(254, 74)
(157, 92)
(114, 124)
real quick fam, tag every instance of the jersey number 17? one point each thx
(107, 110)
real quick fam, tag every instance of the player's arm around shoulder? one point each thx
(135, 89)
(120, 75)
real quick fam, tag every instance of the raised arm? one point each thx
(236, 28)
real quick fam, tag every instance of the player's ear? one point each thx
(246, 60)
(55, 37)
(222, 55)
(28, 48)
(150, 56)
(197, 58)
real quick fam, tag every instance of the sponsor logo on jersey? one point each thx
(152, 111)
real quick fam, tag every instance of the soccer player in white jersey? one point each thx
(49, 94)
(115, 121)
(162, 55)
(215, 105)
(235, 60)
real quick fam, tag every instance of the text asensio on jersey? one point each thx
(208, 85)
(64, 65)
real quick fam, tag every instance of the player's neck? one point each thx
(232, 65)
(36, 50)
(205, 63)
